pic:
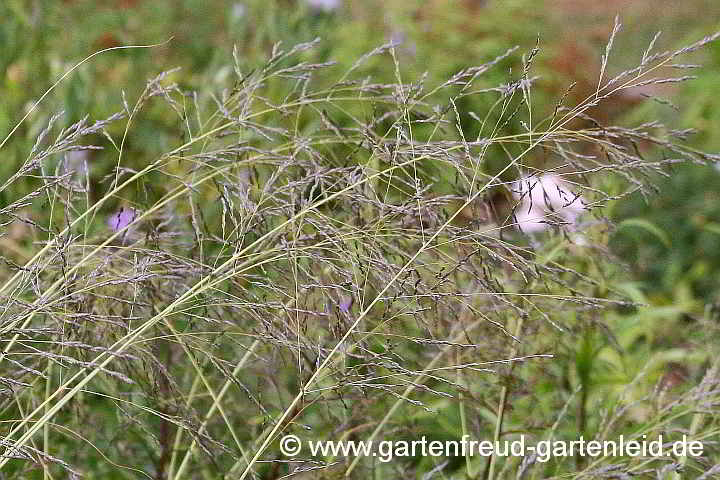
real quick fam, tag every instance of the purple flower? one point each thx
(345, 305)
(399, 39)
(121, 219)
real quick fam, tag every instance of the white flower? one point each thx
(529, 220)
(325, 5)
(238, 11)
(545, 200)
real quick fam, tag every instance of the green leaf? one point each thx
(647, 226)
(712, 227)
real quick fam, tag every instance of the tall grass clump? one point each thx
(338, 260)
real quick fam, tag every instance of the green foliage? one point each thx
(669, 238)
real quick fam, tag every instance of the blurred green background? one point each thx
(675, 246)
